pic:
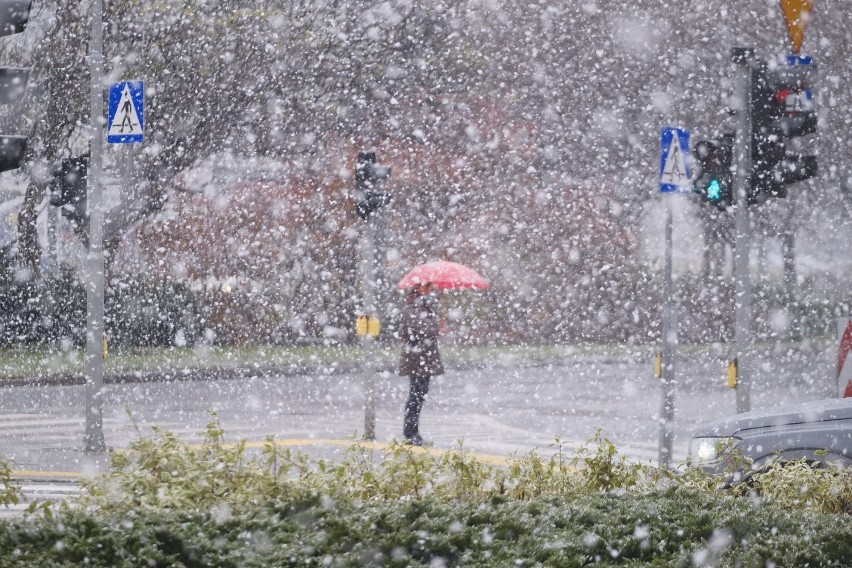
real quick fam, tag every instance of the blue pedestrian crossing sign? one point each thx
(126, 117)
(676, 161)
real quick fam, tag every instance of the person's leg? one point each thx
(418, 388)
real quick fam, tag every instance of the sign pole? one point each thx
(675, 174)
(669, 346)
(130, 126)
(94, 437)
(743, 58)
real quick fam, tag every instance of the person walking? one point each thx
(420, 359)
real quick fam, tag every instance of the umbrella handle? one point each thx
(443, 328)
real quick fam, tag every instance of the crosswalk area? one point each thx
(43, 446)
(24, 434)
(44, 429)
(46, 449)
(34, 492)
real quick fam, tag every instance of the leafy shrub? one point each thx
(801, 484)
(657, 528)
(163, 472)
(167, 503)
(10, 494)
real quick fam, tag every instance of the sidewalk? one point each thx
(134, 366)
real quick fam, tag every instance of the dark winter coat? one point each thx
(419, 331)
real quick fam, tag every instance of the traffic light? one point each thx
(369, 197)
(782, 109)
(12, 150)
(714, 181)
(14, 15)
(70, 189)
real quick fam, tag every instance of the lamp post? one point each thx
(94, 437)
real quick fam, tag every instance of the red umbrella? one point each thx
(444, 275)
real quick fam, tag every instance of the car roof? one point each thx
(801, 413)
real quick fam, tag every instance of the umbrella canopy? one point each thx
(444, 275)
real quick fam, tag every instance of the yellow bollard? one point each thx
(361, 325)
(733, 374)
(374, 326)
(658, 365)
(368, 325)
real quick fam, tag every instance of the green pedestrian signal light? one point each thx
(714, 191)
(714, 179)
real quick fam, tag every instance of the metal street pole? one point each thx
(674, 178)
(788, 247)
(369, 202)
(743, 58)
(94, 437)
(383, 287)
(368, 284)
(669, 342)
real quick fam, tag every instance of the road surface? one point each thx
(507, 408)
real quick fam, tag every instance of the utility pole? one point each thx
(788, 247)
(369, 201)
(368, 295)
(743, 58)
(94, 437)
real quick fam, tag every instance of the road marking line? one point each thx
(28, 473)
(372, 445)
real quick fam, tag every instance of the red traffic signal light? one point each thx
(782, 108)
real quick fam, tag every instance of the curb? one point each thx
(211, 374)
(232, 373)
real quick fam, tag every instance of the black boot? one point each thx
(419, 386)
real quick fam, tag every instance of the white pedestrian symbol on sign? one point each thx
(675, 170)
(797, 101)
(126, 120)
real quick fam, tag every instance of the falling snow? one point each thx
(518, 138)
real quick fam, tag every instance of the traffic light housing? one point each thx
(12, 150)
(14, 15)
(714, 179)
(369, 196)
(782, 108)
(70, 189)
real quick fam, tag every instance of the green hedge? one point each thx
(663, 529)
(164, 502)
